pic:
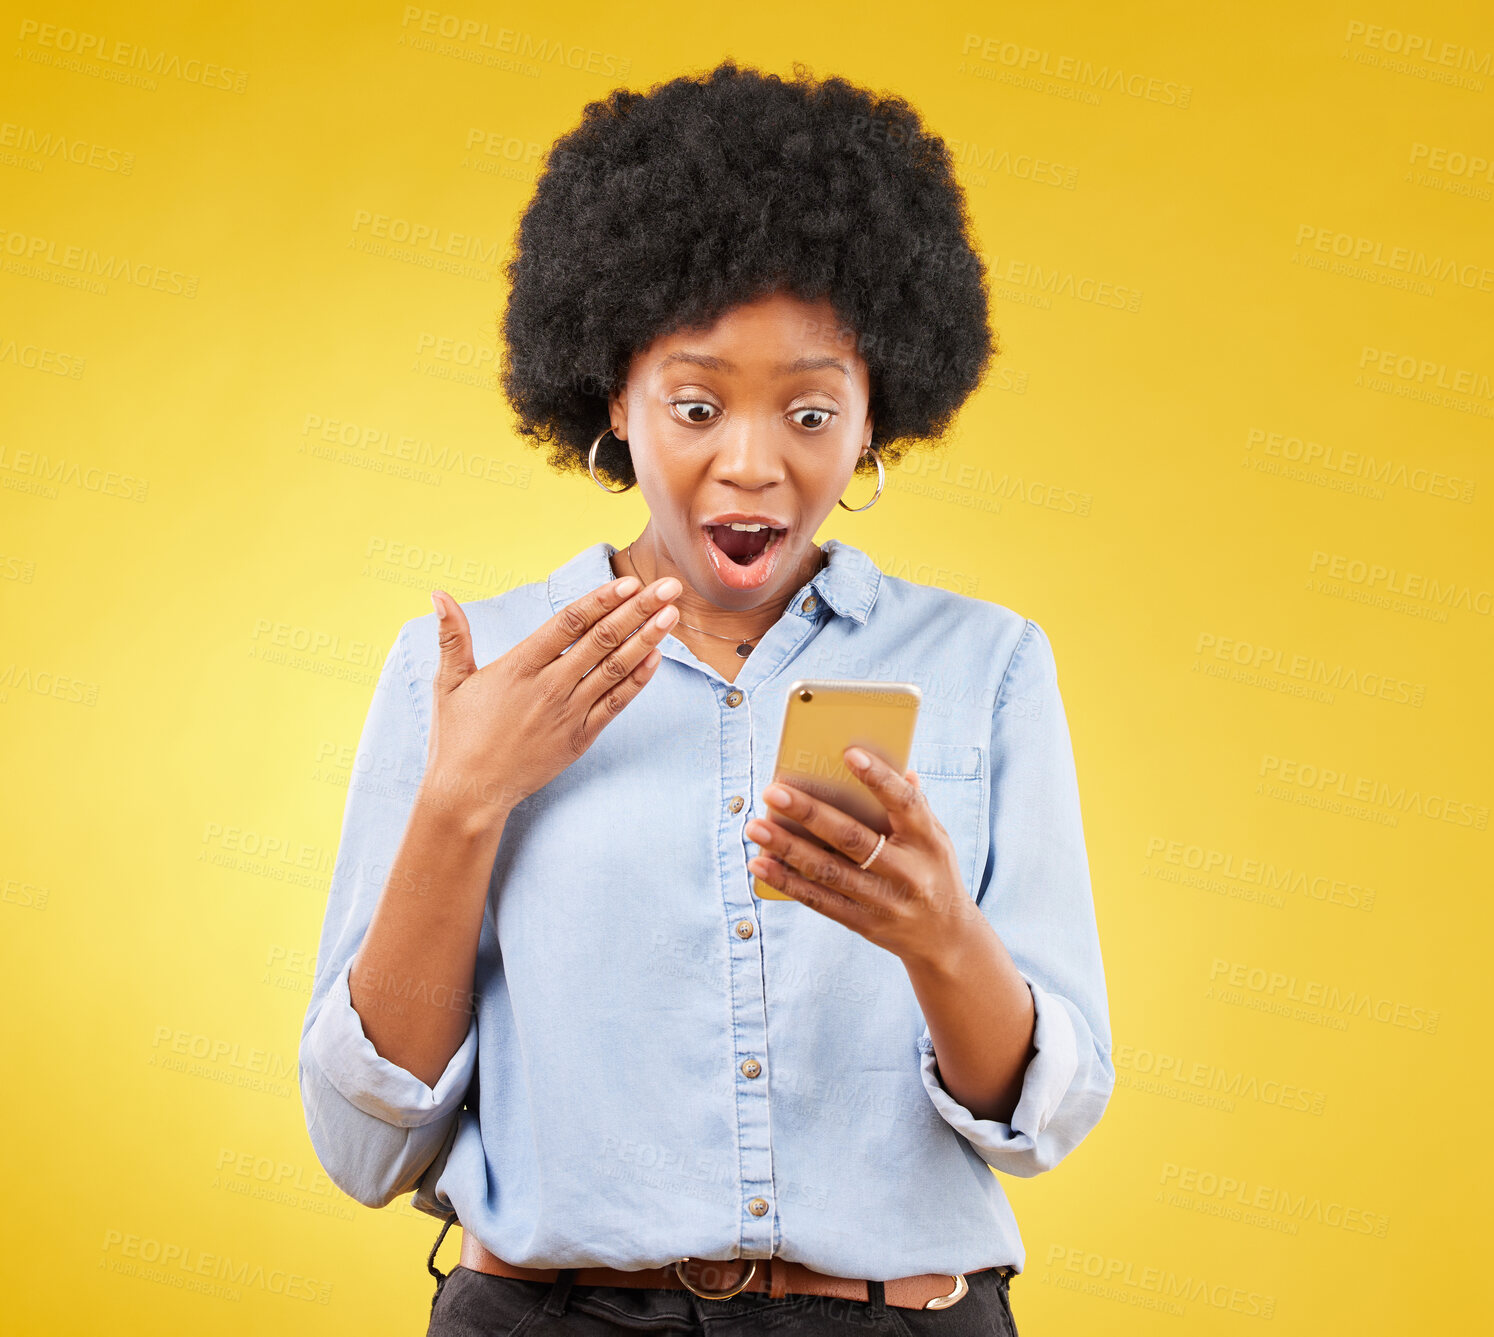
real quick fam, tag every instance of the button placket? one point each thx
(748, 1002)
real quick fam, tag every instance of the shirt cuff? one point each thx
(347, 1058)
(1047, 1079)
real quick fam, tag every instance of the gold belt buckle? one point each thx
(954, 1297)
(714, 1295)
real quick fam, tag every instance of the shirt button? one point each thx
(736, 803)
(744, 928)
(809, 604)
(758, 1206)
(734, 698)
(751, 1067)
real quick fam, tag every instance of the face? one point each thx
(761, 417)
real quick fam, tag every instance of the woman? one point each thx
(546, 996)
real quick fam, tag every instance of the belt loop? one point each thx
(430, 1262)
(876, 1294)
(777, 1278)
(560, 1291)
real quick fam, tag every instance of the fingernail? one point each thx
(670, 588)
(857, 757)
(627, 585)
(437, 605)
(777, 794)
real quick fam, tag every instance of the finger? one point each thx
(609, 633)
(836, 828)
(821, 866)
(611, 702)
(907, 805)
(454, 637)
(551, 639)
(633, 642)
(631, 632)
(829, 903)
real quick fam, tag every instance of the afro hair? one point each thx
(662, 210)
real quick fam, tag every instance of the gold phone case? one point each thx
(824, 716)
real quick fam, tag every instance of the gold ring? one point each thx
(713, 1295)
(881, 840)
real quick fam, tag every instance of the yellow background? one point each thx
(196, 589)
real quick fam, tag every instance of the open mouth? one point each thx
(743, 558)
(744, 546)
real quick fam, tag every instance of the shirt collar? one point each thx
(848, 581)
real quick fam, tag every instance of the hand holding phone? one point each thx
(823, 717)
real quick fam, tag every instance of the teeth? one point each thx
(747, 529)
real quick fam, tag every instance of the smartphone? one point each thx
(823, 717)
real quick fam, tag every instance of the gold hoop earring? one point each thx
(591, 462)
(881, 479)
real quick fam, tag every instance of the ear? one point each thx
(866, 433)
(617, 408)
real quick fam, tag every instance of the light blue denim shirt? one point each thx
(659, 1064)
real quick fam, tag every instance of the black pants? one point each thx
(476, 1304)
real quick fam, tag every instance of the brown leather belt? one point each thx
(716, 1280)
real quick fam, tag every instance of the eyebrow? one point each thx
(807, 363)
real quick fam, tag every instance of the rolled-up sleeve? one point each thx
(374, 1125)
(1035, 891)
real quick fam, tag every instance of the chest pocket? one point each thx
(953, 775)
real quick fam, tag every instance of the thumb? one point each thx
(454, 637)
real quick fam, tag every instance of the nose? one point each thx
(747, 456)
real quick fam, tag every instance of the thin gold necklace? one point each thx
(744, 647)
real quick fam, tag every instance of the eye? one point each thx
(823, 414)
(690, 405)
